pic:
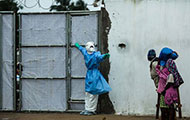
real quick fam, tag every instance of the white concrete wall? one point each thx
(142, 25)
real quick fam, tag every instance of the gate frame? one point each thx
(70, 14)
(68, 46)
(14, 59)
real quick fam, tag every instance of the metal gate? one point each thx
(84, 28)
(7, 61)
(52, 70)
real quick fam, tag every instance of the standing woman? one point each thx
(167, 112)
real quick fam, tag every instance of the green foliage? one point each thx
(9, 5)
(64, 5)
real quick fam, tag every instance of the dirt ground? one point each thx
(69, 116)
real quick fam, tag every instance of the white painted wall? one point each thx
(142, 25)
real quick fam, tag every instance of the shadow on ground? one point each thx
(67, 116)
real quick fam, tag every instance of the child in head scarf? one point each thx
(153, 63)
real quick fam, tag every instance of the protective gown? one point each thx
(95, 83)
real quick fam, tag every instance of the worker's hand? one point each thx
(77, 45)
(107, 55)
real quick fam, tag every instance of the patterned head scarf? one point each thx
(172, 68)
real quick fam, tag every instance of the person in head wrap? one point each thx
(165, 54)
(153, 63)
(165, 86)
(95, 83)
(154, 75)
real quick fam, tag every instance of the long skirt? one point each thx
(167, 112)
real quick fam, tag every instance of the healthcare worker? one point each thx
(95, 83)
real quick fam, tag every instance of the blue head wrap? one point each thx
(165, 54)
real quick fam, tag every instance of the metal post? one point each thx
(1, 61)
(20, 65)
(68, 60)
(14, 60)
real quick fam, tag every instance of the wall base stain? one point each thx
(105, 105)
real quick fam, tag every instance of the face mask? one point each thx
(90, 47)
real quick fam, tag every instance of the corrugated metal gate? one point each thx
(7, 61)
(53, 70)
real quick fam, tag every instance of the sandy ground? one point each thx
(69, 116)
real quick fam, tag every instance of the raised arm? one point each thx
(82, 50)
(100, 57)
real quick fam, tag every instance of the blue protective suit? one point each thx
(95, 83)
